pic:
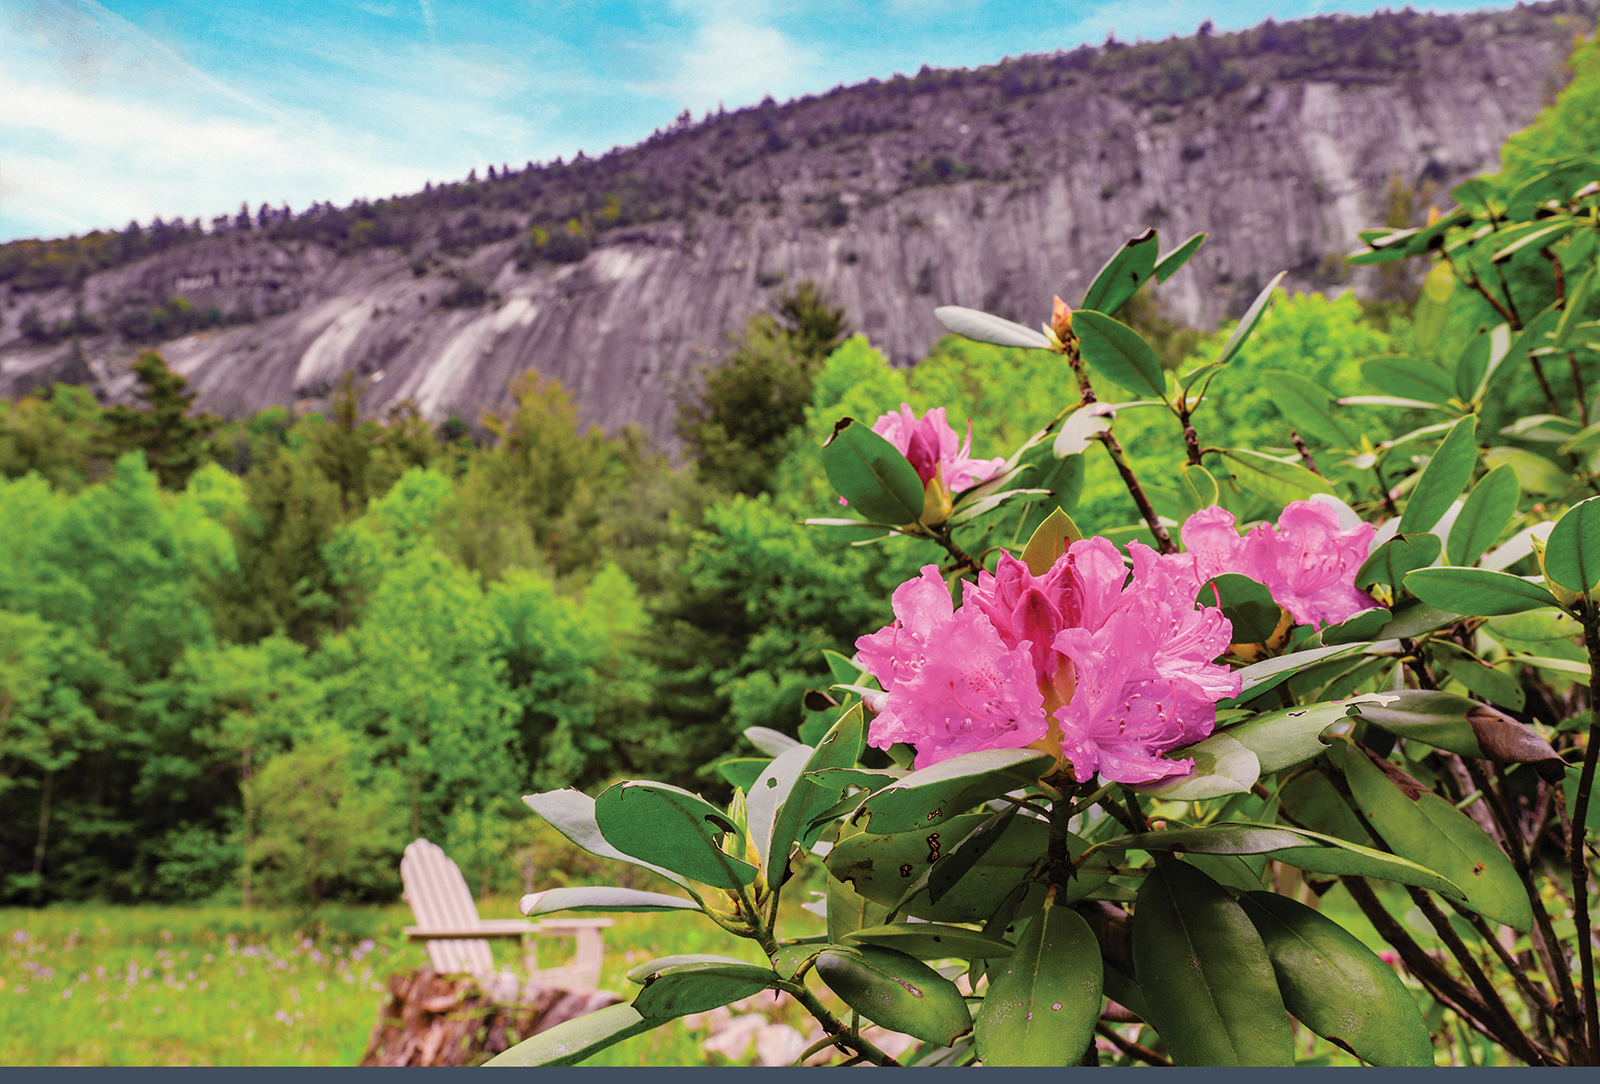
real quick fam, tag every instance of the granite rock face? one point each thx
(992, 189)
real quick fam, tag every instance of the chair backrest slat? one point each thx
(439, 897)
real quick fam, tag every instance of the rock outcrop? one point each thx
(994, 189)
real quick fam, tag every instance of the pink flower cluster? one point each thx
(1105, 672)
(1306, 561)
(932, 446)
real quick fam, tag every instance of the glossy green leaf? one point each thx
(1044, 1001)
(1473, 367)
(933, 941)
(1482, 680)
(1298, 847)
(1572, 554)
(1117, 352)
(956, 861)
(1401, 554)
(1419, 825)
(701, 987)
(1197, 488)
(1273, 479)
(985, 328)
(880, 868)
(1478, 592)
(1363, 626)
(1485, 515)
(1289, 736)
(1311, 800)
(896, 991)
(872, 475)
(1535, 474)
(1209, 985)
(642, 973)
(1446, 474)
(1222, 765)
(794, 819)
(1247, 605)
(1412, 618)
(571, 1041)
(930, 795)
(1169, 264)
(1336, 986)
(1408, 378)
(1309, 408)
(1261, 676)
(552, 900)
(1127, 270)
(1049, 542)
(571, 812)
(673, 828)
(1248, 322)
(1447, 721)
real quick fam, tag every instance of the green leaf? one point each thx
(1412, 618)
(1535, 474)
(867, 471)
(1336, 986)
(1585, 440)
(1478, 592)
(1050, 542)
(552, 900)
(1222, 765)
(1248, 605)
(571, 812)
(571, 1041)
(1273, 479)
(984, 328)
(1572, 553)
(841, 667)
(1208, 982)
(1363, 626)
(1121, 276)
(1169, 264)
(880, 868)
(1043, 1002)
(1258, 677)
(668, 825)
(1248, 322)
(933, 941)
(642, 973)
(930, 795)
(1473, 367)
(1419, 825)
(1433, 305)
(1408, 378)
(849, 911)
(1297, 847)
(1289, 736)
(956, 861)
(1481, 679)
(1197, 488)
(1390, 562)
(810, 794)
(1119, 353)
(701, 987)
(1443, 478)
(896, 991)
(742, 772)
(1308, 408)
(1484, 517)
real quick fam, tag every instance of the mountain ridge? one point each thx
(993, 188)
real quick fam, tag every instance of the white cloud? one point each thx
(735, 56)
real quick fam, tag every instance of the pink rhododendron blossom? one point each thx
(1306, 561)
(932, 446)
(1105, 672)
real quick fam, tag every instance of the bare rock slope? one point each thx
(993, 188)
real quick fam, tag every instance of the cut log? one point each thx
(453, 1020)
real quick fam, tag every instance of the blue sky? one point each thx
(133, 109)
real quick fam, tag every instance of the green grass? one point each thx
(101, 985)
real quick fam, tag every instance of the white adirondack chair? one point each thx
(458, 940)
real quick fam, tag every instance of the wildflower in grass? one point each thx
(1105, 673)
(1306, 561)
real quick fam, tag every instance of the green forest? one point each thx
(249, 659)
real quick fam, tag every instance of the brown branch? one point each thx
(1505, 313)
(1164, 541)
(1305, 453)
(1132, 1049)
(1578, 866)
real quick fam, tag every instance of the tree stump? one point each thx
(433, 1019)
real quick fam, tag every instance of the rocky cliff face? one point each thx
(993, 189)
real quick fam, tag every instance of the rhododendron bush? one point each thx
(1085, 794)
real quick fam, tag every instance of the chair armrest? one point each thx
(509, 927)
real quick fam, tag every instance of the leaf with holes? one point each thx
(1044, 1000)
(1127, 270)
(930, 795)
(671, 827)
